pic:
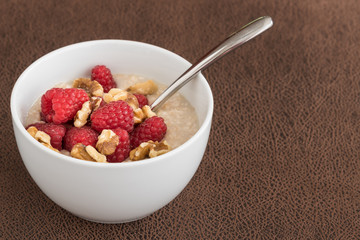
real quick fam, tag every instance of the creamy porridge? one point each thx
(178, 114)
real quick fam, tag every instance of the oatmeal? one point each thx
(177, 115)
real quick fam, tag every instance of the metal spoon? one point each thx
(235, 40)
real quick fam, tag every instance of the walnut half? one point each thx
(149, 149)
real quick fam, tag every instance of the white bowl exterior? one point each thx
(110, 193)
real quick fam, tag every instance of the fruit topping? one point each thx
(59, 105)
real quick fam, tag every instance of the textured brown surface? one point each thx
(283, 156)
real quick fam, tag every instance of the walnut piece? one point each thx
(148, 112)
(82, 115)
(95, 103)
(94, 154)
(141, 152)
(115, 94)
(32, 131)
(41, 137)
(87, 108)
(107, 142)
(159, 149)
(78, 151)
(140, 114)
(93, 88)
(132, 101)
(149, 149)
(144, 88)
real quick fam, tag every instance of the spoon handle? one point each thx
(235, 40)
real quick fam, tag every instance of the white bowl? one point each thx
(110, 192)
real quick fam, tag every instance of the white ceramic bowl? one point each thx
(110, 192)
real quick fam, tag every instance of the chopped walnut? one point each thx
(140, 114)
(78, 151)
(95, 103)
(148, 112)
(32, 131)
(87, 108)
(132, 101)
(93, 88)
(82, 115)
(107, 142)
(149, 149)
(41, 137)
(144, 88)
(159, 149)
(141, 152)
(94, 154)
(115, 94)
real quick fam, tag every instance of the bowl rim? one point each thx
(16, 119)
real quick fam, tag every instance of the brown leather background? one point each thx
(283, 156)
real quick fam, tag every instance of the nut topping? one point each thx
(93, 88)
(82, 115)
(78, 151)
(41, 137)
(140, 114)
(115, 94)
(94, 154)
(148, 112)
(159, 149)
(132, 101)
(32, 131)
(144, 88)
(95, 103)
(107, 142)
(149, 149)
(87, 108)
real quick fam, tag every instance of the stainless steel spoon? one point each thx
(235, 40)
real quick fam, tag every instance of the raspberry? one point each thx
(59, 105)
(113, 115)
(56, 132)
(85, 135)
(123, 149)
(102, 75)
(142, 99)
(153, 128)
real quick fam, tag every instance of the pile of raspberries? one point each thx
(60, 105)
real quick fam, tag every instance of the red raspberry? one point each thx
(123, 149)
(59, 105)
(102, 75)
(85, 135)
(142, 99)
(153, 128)
(56, 132)
(113, 115)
